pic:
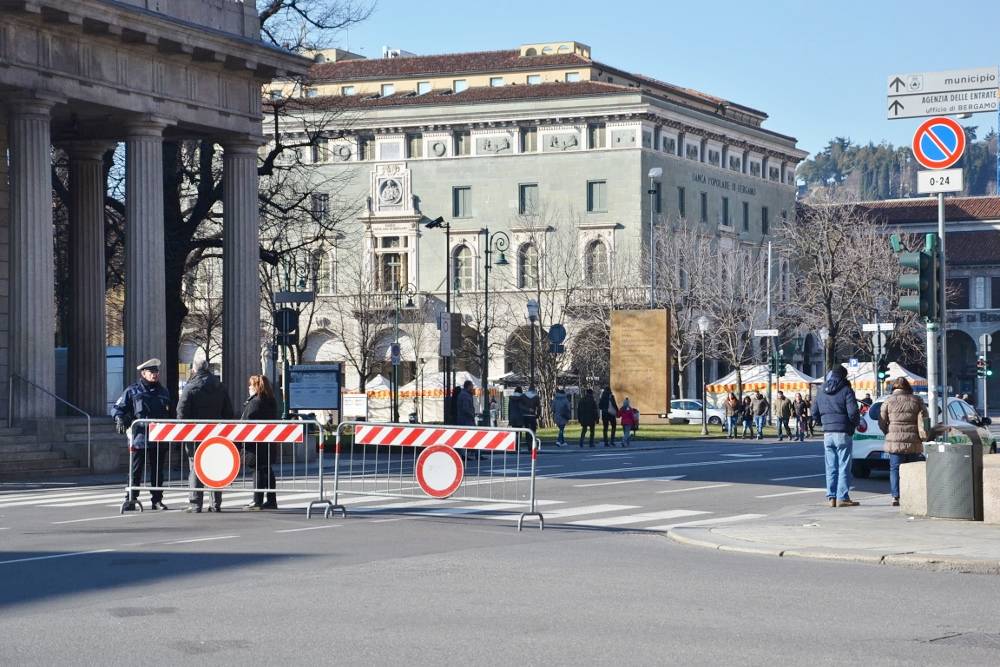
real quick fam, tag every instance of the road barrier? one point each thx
(478, 465)
(224, 456)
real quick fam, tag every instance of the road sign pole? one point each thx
(932, 388)
(943, 312)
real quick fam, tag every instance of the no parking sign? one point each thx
(939, 143)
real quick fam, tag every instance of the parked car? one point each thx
(869, 439)
(689, 411)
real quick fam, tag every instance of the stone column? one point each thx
(240, 281)
(87, 371)
(32, 267)
(145, 269)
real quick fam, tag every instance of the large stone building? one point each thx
(81, 76)
(533, 141)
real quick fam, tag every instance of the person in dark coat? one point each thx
(532, 408)
(144, 399)
(204, 397)
(836, 410)
(609, 414)
(466, 405)
(515, 409)
(261, 406)
(586, 414)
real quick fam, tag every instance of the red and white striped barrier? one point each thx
(197, 432)
(426, 436)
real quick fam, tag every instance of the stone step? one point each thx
(11, 431)
(95, 435)
(26, 445)
(16, 457)
(49, 464)
(17, 439)
(97, 424)
(30, 474)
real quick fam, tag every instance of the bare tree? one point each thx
(304, 25)
(203, 293)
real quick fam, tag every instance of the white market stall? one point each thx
(754, 378)
(862, 377)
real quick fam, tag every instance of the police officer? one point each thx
(204, 397)
(144, 399)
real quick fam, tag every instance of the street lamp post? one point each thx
(437, 223)
(703, 323)
(398, 293)
(532, 318)
(654, 173)
(496, 242)
(824, 334)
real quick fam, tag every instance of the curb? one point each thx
(705, 538)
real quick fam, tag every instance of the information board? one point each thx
(314, 387)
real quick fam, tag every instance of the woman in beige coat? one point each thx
(902, 420)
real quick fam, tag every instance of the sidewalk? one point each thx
(873, 532)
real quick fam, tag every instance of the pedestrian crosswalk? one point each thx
(556, 512)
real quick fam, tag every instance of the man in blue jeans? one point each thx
(837, 410)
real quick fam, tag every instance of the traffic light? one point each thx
(989, 368)
(778, 364)
(883, 370)
(924, 281)
(983, 368)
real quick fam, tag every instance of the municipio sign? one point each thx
(942, 93)
(938, 143)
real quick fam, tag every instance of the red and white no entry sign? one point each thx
(939, 143)
(217, 462)
(439, 471)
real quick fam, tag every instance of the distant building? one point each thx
(536, 141)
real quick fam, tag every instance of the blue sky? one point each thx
(817, 68)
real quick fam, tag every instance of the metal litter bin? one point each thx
(955, 480)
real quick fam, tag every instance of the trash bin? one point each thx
(954, 480)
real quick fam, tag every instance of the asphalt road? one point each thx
(435, 582)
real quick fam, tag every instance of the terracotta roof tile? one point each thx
(981, 247)
(924, 209)
(452, 63)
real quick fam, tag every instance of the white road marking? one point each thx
(694, 464)
(66, 555)
(299, 530)
(745, 456)
(695, 488)
(93, 518)
(637, 518)
(786, 479)
(790, 493)
(204, 539)
(698, 453)
(398, 518)
(711, 522)
(64, 497)
(5, 528)
(630, 481)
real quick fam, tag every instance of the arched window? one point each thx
(527, 266)
(322, 271)
(461, 268)
(595, 262)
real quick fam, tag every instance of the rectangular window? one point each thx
(597, 135)
(735, 163)
(463, 143)
(529, 140)
(681, 203)
(714, 157)
(423, 87)
(461, 202)
(725, 212)
(597, 196)
(366, 148)
(765, 222)
(388, 89)
(995, 292)
(669, 145)
(528, 199)
(320, 206)
(691, 151)
(534, 79)
(704, 207)
(347, 90)
(458, 85)
(276, 94)
(958, 293)
(746, 216)
(312, 92)
(755, 168)
(496, 81)
(321, 150)
(414, 145)
(572, 77)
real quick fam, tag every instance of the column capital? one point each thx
(242, 145)
(86, 149)
(147, 125)
(33, 103)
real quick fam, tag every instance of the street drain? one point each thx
(969, 639)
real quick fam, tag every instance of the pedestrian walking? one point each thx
(609, 414)
(810, 420)
(466, 412)
(515, 409)
(760, 408)
(494, 412)
(561, 413)
(145, 398)
(453, 406)
(867, 400)
(532, 408)
(747, 416)
(837, 412)
(586, 414)
(783, 413)
(902, 420)
(630, 421)
(261, 405)
(800, 409)
(204, 397)
(733, 410)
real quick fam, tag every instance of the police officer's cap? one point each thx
(149, 365)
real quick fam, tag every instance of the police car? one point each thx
(869, 440)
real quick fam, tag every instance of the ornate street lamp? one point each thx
(824, 334)
(703, 324)
(446, 365)
(400, 291)
(497, 242)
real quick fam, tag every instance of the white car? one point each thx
(869, 441)
(688, 410)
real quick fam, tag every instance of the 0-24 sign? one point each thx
(939, 181)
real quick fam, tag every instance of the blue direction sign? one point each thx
(938, 143)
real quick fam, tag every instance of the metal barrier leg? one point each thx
(133, 465)
(533, 510)
(333, 506)
(322, 496)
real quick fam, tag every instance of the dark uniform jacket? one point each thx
(466, 409)
(142, 400)
(586, 411)
(204, 397)
(836, 407)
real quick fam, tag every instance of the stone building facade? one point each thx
(81, 76)
(535, 142)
